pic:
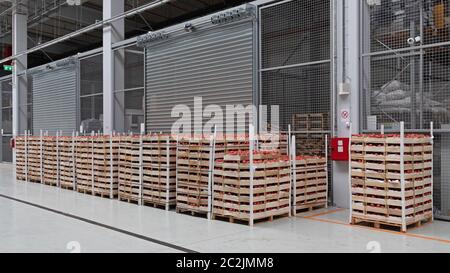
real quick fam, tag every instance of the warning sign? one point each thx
(345, 115)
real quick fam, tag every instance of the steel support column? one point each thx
(19, 93)
(348, 78)
(112, 33)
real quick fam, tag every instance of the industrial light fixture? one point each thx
(189, 27)
(413, 40)
(232, 15)
(151, 37)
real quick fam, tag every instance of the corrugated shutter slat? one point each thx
(55, 101)
(215, 64)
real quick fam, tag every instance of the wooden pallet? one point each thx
(383, 224)
(310, 122)
(50, 164)
(376, 179)
(234, 220)
(156, 185)
(67, 163)
(310, 207)
(105, 168)
(191, 210)
(21, 161)
(193, 162)
(129, 169)
(159, 170)
(83, 163)
(192, 198)
(310, 143)
(34, 159)
(97, 167)
(232, 187)
(311, 184)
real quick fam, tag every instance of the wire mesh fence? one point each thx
(5, 119)
(406, 76)
(295, 70)
(295, 32)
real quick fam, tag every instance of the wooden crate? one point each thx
(84, 164)
(159, 170)
(50, 164)
(310, 183)
(106, 166)
(34, 159)
(232, 189)
(129, 169)
(97, 165)
(376, 177)
(67, 162)
(310, 122)
(300, 122)
(194, 165)
(21, 158)
(273, 142)
(310, 144)
(192, 175)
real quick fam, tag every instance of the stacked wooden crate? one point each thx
(21, 158)
(105, 166)
(129, 169)
(34, 159)
(193, 175)
(83, 162)
(231, 144)
(50, 166)
(233, 193)
(391, 183)
(310, 183)
(310, 122)
(159, 172)
(310, 143)
(273, 142)
(67, 163)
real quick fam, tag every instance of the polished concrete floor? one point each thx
(38, 218)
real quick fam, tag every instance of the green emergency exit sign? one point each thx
(8, 67)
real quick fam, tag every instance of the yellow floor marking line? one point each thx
(323, 213)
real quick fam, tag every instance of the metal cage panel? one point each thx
(406, 76)
(296, 69)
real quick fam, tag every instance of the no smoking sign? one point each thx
(345, 115)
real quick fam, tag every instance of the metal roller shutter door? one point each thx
(214, 63)
(55, 101)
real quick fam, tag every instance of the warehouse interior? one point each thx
(356, 93)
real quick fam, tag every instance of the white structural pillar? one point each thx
(348, 82)
(19, 84)
(119, 84)
(112, 33)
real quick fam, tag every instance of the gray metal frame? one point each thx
(331, 61)
(123, 45)
(393, 54)
(333, 70)
(417, 52)
(2, 133)
(81, 57)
